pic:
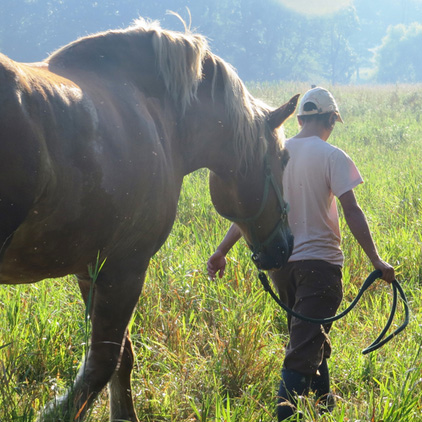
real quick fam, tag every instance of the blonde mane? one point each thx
(180, 58)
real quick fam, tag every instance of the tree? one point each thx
(399, 57)
(342, 59)
(261, 38)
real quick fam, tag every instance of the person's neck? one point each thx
(314, 129)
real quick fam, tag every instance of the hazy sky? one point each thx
(315, 7)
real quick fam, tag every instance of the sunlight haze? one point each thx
(315, 7)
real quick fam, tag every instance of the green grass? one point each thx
(212, 350)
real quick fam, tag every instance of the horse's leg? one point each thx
(120, 389)
(111, 308)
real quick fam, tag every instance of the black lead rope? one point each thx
(371, 278)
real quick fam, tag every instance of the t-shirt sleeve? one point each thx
(343, 173)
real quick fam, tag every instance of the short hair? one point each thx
(323, 117)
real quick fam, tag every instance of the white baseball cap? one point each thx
(323, 100)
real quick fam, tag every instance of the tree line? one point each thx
(377, 41)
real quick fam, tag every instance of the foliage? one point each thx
(398, 58)
(212, 350)
(264, 40)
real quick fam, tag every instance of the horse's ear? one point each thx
(277, 117)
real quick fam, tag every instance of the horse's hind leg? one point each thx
(120, 389)
(110, 356)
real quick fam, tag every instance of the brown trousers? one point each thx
(311, 288)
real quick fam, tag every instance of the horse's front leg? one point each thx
(110, 357)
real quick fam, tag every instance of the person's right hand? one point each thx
(216, 263)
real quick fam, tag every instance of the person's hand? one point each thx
(387, 270)
(216, 263)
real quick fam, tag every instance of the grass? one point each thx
(212, 350)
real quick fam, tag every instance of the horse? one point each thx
(94, 144)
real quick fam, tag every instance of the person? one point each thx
(311, 282)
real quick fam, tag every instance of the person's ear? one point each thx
(333, 119)
(300, 121)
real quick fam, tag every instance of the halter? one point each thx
(256, 246)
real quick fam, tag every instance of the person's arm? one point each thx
(217, 261)
(356, 220)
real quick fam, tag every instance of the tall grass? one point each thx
(212, 350)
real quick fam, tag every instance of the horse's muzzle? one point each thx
(276, 254)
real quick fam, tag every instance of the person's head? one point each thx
(318, 105)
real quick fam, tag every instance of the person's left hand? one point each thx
(216, 263)
(388, 273)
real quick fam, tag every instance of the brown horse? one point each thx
(94, 144)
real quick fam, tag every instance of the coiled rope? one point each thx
(380, 340)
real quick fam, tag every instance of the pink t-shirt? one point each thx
(316, 173)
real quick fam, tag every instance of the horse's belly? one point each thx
(34, 253)
(25, 262)
(50, 247)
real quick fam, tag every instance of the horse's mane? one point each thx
(180, 58)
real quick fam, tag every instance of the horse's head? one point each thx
(252, 197)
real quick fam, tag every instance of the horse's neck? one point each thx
(206, 140)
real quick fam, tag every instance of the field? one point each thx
(212, 350)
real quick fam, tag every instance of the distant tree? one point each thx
(375, 16)
(31, 29)
(342, 56)
(332, 47)
(261, 38)
(399, 57)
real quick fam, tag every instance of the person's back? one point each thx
(316, 172)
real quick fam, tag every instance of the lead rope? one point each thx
(371, 278)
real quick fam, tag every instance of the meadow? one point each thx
(212, 350)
